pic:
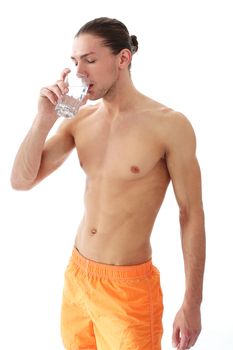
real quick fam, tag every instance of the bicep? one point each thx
(186, 180)
(183, 166)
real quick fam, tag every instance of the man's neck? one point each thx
(121, 99)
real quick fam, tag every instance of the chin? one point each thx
(93, 98)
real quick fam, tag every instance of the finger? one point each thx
(49, 95)
(184, 342)
(63, 86)
(56, 90)
(64, 73)
(53, 93)
(175, 337)
(192, 342)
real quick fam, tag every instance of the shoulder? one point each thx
(179, 132)
(172, 127)
(178, 135)
(166, 115)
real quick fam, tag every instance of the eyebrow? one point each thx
(83, 56)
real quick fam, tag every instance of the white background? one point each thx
(184, 61)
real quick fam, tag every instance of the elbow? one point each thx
(189, 214)
(183, 215)
(20, 185)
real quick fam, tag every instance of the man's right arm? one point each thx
(37, 158)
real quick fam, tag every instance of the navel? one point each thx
(135, 169)
(93, 231)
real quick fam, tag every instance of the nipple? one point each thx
(134, 169)
(93, 231)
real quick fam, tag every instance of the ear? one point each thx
(125, 57)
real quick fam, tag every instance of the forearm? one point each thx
(28, 159)
(193, 245)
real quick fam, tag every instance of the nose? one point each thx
(81, 76)
(80, 71)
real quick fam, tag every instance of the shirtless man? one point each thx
(129, 147)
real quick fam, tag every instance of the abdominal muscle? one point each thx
(118, 220)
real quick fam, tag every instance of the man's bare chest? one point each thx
(125, 151)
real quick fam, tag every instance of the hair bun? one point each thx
(134, 43)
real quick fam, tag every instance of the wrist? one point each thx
(192, 301)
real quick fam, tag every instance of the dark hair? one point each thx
(114, 33)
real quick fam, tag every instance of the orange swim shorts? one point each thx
(111, 307)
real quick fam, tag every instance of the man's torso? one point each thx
(126, 180)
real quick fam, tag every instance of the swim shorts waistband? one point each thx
(92, 267)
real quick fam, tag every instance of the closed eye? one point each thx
(87, 60)
(90, 60)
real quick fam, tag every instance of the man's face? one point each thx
(96, 63)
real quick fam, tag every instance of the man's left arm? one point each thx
(186, 179)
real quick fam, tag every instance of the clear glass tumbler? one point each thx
(68, 105)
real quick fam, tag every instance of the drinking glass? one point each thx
(68, 105)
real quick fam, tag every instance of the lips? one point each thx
(90, 87)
